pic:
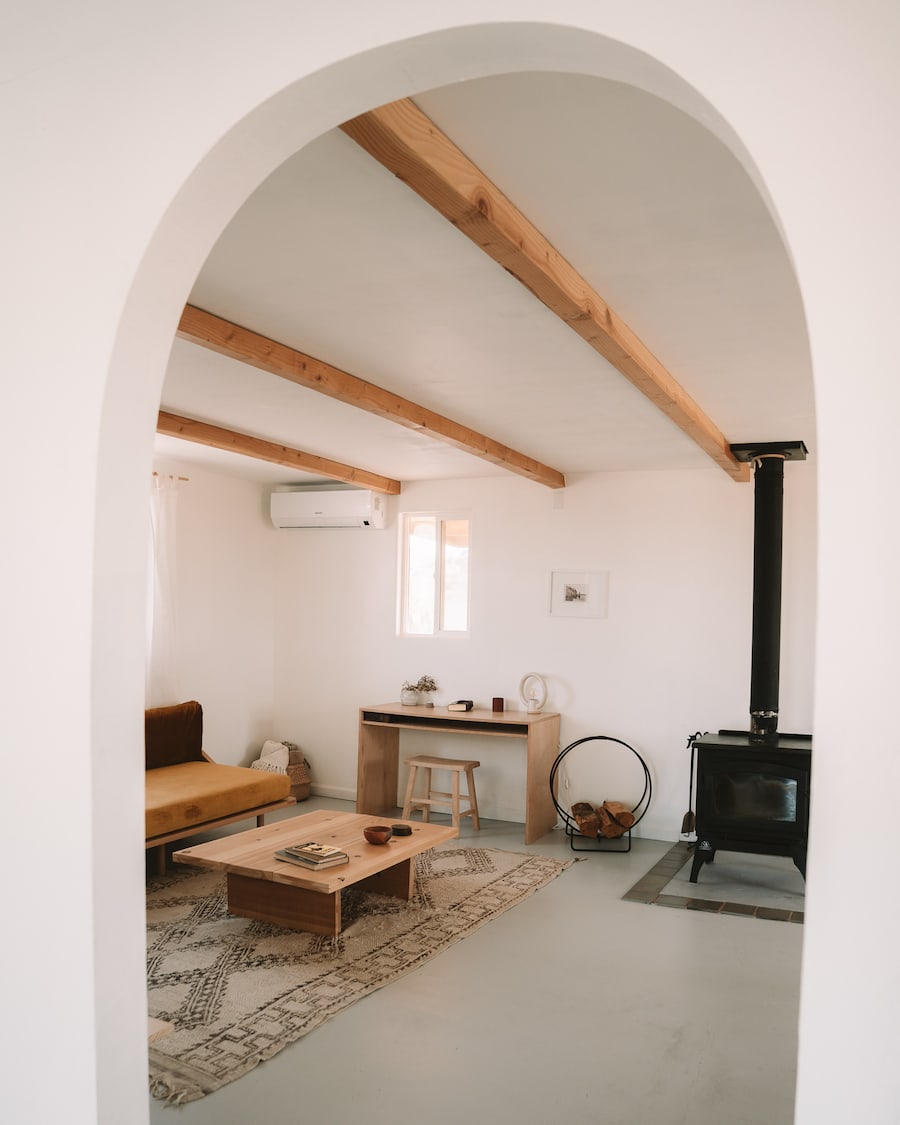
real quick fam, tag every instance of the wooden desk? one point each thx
(379, 753)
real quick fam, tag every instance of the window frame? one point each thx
(441, 518)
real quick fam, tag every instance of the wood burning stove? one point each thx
(752, 796)
(753, 787)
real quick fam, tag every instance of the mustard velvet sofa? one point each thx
(187, 792)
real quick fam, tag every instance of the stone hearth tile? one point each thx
(738, 908)
(704, 904)
(773, 914)
(651, 890)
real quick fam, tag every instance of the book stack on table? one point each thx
(312, 855)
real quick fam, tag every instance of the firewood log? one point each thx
(586, 818)
(615, 819)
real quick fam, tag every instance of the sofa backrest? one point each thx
(173, 734)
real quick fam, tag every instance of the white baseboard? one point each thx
(337, 792)
(648, 829)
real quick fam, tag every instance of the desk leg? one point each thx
(377, 770)
(540, 812)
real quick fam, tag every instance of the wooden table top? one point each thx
(252, 853)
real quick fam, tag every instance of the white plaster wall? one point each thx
(225, 609)
(287, 633)
(672, 657)
(134, 132)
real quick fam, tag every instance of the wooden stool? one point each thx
(435, 796)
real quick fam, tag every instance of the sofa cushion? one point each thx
(173, 734)
(193, 793)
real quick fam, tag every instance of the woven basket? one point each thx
(298, 772)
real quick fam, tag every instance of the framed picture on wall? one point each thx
(579, 593)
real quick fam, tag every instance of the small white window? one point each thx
(434, 584)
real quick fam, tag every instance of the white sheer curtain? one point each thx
(162, 632)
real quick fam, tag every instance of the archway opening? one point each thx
(240, 160)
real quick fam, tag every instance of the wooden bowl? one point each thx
(378, 833)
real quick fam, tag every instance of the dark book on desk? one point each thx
(312, 855)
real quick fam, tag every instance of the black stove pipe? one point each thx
(767, 549)
(768, 459)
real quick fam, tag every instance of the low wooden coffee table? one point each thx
(261, 886)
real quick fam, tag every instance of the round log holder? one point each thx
(599, 843)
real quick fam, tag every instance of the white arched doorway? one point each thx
(239, 97)
(286, 122)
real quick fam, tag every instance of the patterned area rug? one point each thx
(237, 991)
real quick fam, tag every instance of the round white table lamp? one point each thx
(533, 692)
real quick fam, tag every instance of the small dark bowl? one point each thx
(378, 833)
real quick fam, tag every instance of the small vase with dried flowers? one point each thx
(409, 695)
(426, 687)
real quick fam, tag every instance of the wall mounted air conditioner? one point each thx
(351, 507)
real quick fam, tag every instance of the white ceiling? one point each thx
(334, 256)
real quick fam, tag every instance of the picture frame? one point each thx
(579, 593)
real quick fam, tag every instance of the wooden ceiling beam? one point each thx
(406, 142)
(174, 425)
(249, 347)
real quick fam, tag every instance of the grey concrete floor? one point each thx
(573, 1006)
